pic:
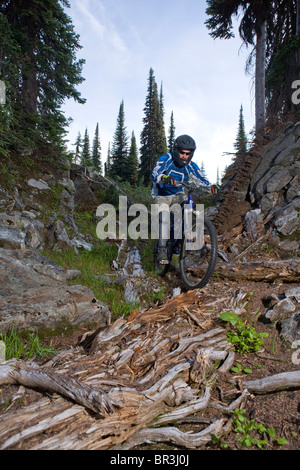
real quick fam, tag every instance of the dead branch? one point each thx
(174, 436)
(274, 383)
(17, 371)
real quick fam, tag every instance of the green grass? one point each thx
(24, 345)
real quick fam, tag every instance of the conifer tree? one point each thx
(153, 141)
(171, 136)
(133, 161)
(78, 147)
(96, 152)
(40, 69)
(218, 182)
(107, 164)
(202, 169)
(119, 152)
(241, 139)
(162, 141)
(86, 155)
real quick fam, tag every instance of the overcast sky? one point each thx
(204, 81)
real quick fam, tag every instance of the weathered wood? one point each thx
(153, 368)
(174, 436)
(17, 371)
(274, 383)
(266, 271)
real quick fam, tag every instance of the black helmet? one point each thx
(183, 142)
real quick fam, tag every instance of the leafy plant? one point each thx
(245, 338)
(249, 430)
(240, 369)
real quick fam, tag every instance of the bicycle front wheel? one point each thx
(197, 266)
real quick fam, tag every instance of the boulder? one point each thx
(40, 184)
(284, 311)
(57, 237)
(11, 237)
(34, 294)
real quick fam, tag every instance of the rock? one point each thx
(253, 224)
(280, 310)
(18, 203)
(68, 184)
(293, 292)
(270, 301)
(287, 219)
(58, 238)
(284, 311)
(290, 329)
(33, 239)
(275, 183)
(11, 237)
(34, 295)
(82, 244)
(40, 184)
(67, 200)
(278, 181)
(268, 202)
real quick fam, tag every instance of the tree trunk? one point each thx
(260, 67)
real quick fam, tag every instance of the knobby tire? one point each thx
(211, 259)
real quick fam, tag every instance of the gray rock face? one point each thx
(285, 312)
(11, 237)
(34, 294)
(275, 185)
(33, 289)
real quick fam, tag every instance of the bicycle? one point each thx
(196, 266)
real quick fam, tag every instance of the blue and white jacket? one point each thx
(166, 166)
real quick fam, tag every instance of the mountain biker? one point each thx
(170, 170)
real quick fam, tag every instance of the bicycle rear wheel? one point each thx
(197, 266)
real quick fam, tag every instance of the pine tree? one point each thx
(107, 164)
(40, 68)
(133, 161)
(153, 141)
(171, 136)
(162, 142)
(78, 147)
(218, 181)
(202, 169)
(241, 139)
(96, 152)
(86, 155)
(119, 151)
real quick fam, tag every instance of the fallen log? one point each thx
(274, 383)
(265, 271)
